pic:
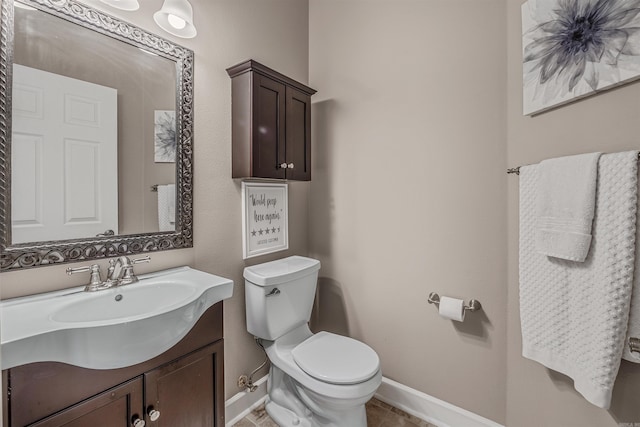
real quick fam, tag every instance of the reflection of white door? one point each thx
(64, 157)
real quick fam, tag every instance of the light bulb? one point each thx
(176, 22)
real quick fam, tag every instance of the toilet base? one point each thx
(284, 417)
(288, 404)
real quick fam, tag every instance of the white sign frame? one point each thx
(265, 218)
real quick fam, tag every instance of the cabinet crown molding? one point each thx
(252, 65)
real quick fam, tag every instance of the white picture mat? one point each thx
(265, 218)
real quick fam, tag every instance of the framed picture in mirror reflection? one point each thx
(165, 136)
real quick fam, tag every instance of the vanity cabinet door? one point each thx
(120, 406)
(187, 392)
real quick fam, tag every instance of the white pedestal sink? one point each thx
(108, 329)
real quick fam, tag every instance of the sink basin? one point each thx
(108, 329)
(126, 304)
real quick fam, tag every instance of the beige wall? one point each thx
(275, 33)
(409, 188)
(607, 122)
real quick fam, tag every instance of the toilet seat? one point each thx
(336, 359)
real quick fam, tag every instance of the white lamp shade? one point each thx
(176, 17)
(123, 4)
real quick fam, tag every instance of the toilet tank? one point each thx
(279, 295)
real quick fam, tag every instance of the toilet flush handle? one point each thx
(274, 292)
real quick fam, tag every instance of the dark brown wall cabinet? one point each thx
(271, 116)
(183, 387)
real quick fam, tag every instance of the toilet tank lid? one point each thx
(281, 271)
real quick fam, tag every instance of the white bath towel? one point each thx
(167, 207)
(574, 316)
(634, 315)
(565, 205)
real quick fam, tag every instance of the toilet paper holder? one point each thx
(474, 304)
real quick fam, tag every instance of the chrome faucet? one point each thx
(95, 282)
(120, 272)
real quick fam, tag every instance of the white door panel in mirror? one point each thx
(65, 144)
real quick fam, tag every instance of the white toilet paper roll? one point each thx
(451, 308)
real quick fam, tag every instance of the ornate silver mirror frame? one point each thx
(38, 254)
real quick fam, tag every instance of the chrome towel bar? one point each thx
(516, 170)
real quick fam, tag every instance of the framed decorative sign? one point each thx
(576, 48)
(265, 218)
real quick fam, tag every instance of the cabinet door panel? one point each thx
(298, 138)
(185, 391)
(268, 128)
(116, 407)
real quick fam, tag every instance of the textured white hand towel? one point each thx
(574, 316)
(565, 205)
(634, 312)
(166, 207)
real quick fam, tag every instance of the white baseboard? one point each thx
(414, 402)
(428, 408)
(241, 404)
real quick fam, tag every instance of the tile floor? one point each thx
(379, 414)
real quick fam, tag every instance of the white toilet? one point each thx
(319, 379)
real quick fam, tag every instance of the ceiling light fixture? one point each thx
(123, 4)
(176, 17)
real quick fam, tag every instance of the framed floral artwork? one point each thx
(575, 48)
(165, 136)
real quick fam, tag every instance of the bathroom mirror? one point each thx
(96, 125)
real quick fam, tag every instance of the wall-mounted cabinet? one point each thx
(271, 124)
(182, 387)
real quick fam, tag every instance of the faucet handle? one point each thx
(141, 260)
(71, 271)
(128, 276)
(95, 282)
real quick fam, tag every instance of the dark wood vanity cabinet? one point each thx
(120, 406)
(271, 124)
(182, 391)
(185, 385)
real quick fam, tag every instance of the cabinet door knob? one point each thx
(290, 166)
(137, 422)
(283, 165)
(153, 414)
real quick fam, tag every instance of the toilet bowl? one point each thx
(319, 379)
